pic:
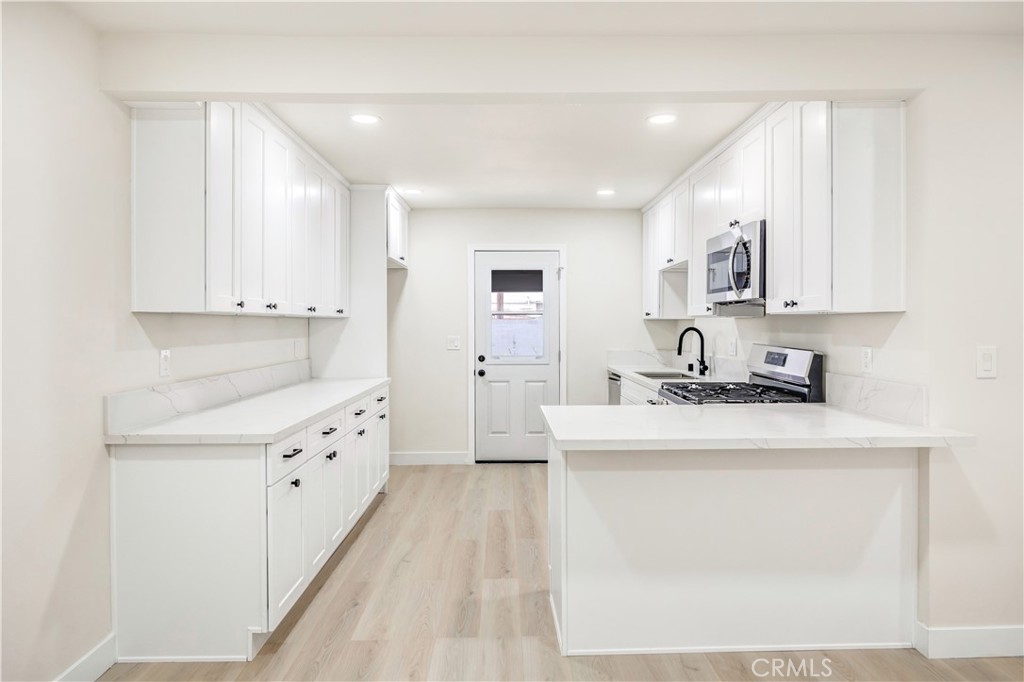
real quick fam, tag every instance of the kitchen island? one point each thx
(733, 527)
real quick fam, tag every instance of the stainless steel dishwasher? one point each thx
(614, 389)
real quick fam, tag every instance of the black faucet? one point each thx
(679, 349)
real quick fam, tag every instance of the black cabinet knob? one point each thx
(480, 358)
(296, 483)
(647, 314)
(669, 260)
(271, 306)
(401, 258)
(340, 311)
(708, 308)
(240, 304)
(481, 373)
(793, 303)
(785, 304)
(311, 308)
(383, 416)
(361, 432)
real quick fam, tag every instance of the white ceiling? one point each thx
(554, 152)
(540, 155)
(554, 18)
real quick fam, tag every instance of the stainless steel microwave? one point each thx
(736, 263)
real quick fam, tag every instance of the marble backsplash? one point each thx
(132, 409)
(905, 403)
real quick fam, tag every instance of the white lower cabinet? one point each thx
(216, 543)
(286, 573)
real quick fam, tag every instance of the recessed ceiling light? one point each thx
(605, 192)
(661, 119)
(412, 191)
(365, 118)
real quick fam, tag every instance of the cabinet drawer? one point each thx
(286, 455)
(379, 400)
(357, 413)
(325, 432)
(638, 395)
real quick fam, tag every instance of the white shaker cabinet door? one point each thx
(752, 175)
(362, 447)
(315, 180)
(328, 254)
(342, 268)
(383, 447)
(298, 167)
(704, 225)
(264, 215)
(314, 530)
(334, 509)
(350, 480)
(681, 216)
(649, 268)
(285, 561)
(223, 284)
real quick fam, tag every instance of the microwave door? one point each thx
(729, 272)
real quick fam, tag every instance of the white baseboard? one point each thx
(96, 662)
(970, 642)
(410, 458)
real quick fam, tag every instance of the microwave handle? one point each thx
(732, 273)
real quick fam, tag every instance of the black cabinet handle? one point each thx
(480, 358)
(329, 431)
(481, 373)
(382, 399)
(311, 308)
(296, 483)
(383, 416)
(651, 402)
(240, 304)
(359, 413)
(340, 311)
(296, 451)
(361, 432)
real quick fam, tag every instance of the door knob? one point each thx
(481, 358)
(481, 373)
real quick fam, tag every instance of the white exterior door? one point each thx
(516, 309)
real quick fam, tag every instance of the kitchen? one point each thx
(67, 272)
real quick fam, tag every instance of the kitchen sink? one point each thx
(664, 375)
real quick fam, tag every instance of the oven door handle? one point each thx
(732, 273)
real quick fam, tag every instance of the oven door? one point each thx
(735, 267)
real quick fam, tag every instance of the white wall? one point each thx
(70, 337)
(429, 302)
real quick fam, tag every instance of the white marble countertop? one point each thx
(733, 427)
(262, 418)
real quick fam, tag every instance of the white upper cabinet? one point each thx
(681, 214)
(398, 230)
(835, 208)
(233, 214)
(704, 224)
(663, 289)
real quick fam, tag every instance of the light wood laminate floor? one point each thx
(447, 580)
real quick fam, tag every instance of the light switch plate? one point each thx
(165, 362)
(986, 363)
(454, 343)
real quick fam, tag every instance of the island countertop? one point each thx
(733, 427)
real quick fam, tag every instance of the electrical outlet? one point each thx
(986, 363)
(732, 347)
(301, 349)
(454, 343)
(165, 362)
(867, 361)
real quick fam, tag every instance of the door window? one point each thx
(517, 315)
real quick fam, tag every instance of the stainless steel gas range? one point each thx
(777, 375)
